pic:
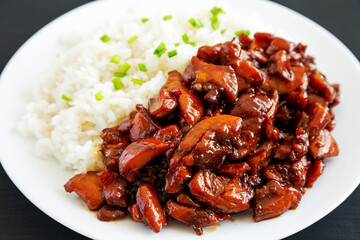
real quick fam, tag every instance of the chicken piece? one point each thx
(221, 193)
(234, 170)
(278, 44)
(114, 143)
(186, 200)
(195, 218)
(299, 169)
(139, 153)
(142, 125)
(135, 213)
(163, 105)
(199, 72)
(319, 117)
(314, 98)
(323, 145)
(210, 54)
(260, 157)
(274, 199)
(206, 143)
(114, 189)
(286, 86)
(245, 41)
(189, 104)
(231, 54)
(317, 168)
(254, 108)
(298, 99)
(293, 147)
(88, 187)
(280, 66)
(110, 213)
(257, 48)
(169, 134)
(176, 178)
(288, 172)
(150, 208)
(264, 37)
(318, 81)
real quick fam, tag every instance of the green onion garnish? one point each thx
(124, 67)
(160, 49)
(118, 84)
(185, 38)
(66, 98)
(168, 17)
(214, 22)
(105, 38)
(176, 44)
(246, 32)
(119, 74)
(132, 39)
(144, 20)
(172, 53)
(137, 81)
(115, 59)
(216, 10)
(142, 67)
(98, 96)
(223, 31)
(196, 23)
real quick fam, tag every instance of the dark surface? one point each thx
(19, 19)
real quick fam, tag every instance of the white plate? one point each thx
(42, 181)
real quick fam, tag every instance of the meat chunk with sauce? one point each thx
(222, 193)
(150, 208)
(199, 73)
(188, 103)
(195, 218)
(88, 187)
(254, 108)
(274, 199)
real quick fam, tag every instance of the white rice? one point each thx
(69, 131)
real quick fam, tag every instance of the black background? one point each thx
(19, 19)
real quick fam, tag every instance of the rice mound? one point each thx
(70, 131)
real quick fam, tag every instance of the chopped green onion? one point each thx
(105, 38)
(246, 32)
(168, 17)
(176, 44)
(66, 98)
(118, 84)
(223, 31)
(137, 81)
(119, 74)
(132, 39)
(172, 53)
(124, 67)
(216, 10)
(185, 38)
(98, 96)
(144, 20)
(142, 67)
(115, 59)
(196, 23)
(160, 49)
(214, 22)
